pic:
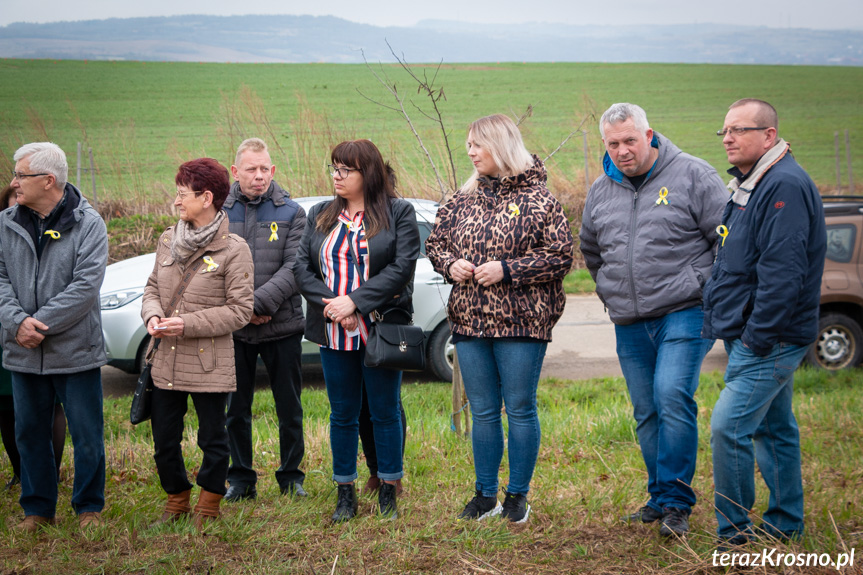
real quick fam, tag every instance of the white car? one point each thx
(126, 337)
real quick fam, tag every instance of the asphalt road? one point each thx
(583, 344)
(582, 347)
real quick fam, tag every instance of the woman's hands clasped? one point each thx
(341, 309)
(486, 274)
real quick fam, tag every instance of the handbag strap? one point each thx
(175, 301)
(378, 315)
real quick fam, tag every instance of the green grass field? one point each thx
(144, 118)
(589, 472)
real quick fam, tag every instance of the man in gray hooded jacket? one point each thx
(648, 232)
(53, 252)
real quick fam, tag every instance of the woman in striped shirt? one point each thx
(357, 255)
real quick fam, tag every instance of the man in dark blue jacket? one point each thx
(263, 213)
(762, 299)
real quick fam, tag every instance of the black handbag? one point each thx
(394, 345)
(142, 401)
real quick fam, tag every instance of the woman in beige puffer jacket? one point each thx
(196, 357)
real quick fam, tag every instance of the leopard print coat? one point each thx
(515, 220)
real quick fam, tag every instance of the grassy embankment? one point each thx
(589, 472)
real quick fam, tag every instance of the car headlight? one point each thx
(117, 299)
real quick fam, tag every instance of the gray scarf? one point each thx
(187, 240)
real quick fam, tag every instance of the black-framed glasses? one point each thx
(341, 171)
(738, 131)
(21, 176)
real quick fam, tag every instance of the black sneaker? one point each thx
(480, 507)
(733, 544)
(346, 506)
(293, 489)
(515, 507)
(240, 492)
(646, 514)
(387, 500)
(675, 521)
(12, 483)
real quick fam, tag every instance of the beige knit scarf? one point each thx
(187, 240)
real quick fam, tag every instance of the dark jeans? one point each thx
(282, 360)
(367, 434)
(81, 396)
(7, 431)
(345, 374)
(169, 408)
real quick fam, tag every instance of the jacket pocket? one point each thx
(266, 232)
(206, 348)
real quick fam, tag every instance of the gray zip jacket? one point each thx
(61, 289)
(650, 250)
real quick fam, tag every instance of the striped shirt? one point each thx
(340, 275)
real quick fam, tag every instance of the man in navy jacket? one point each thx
(272, 223)
(762, 299)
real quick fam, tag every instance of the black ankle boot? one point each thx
(387, 500)
(346, 507)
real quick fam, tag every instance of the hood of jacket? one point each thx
(667, 152)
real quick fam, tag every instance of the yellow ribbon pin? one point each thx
(723, 233)
(513, 211)
(53, 233)
(211, 265)
(274, 227)
(663, 193)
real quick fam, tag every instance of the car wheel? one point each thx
(141, 358)
(440, 352)
(839, 344)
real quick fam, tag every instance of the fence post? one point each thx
(78, 169)
(586, 175)
(93, 179)
(848, 156)
(838, 171)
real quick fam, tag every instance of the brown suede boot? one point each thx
(176, 507)
(207, 508)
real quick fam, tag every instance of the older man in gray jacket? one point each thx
(53, 252)
(263, 213)
(647, 235)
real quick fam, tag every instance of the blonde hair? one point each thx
(500, 136)
(253, 144)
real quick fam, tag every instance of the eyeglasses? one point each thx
(738, 131)
(20, 176)
(342, 172)
(184, 195)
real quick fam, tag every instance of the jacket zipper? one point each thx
(633, 220)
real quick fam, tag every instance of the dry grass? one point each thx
(589, 473)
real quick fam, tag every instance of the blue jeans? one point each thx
(81, 397)
(753, 420)
(661, 361)
(345, 375)
(498, 372)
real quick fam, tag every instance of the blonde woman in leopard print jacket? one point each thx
(505, 243)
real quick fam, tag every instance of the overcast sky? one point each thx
(822, 14)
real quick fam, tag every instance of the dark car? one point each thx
(840, 337)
